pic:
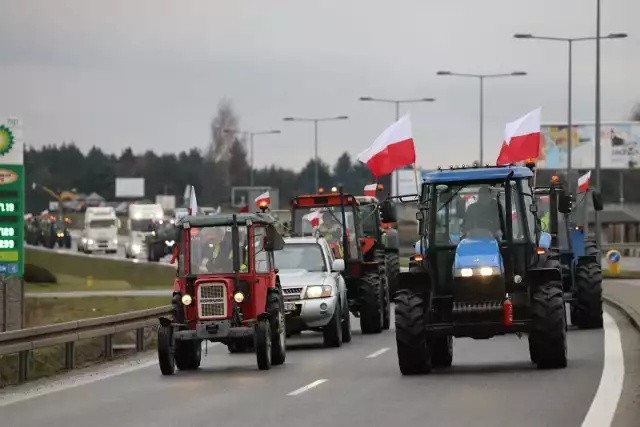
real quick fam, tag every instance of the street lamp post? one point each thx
(570, 41)
(397, 103)
(315, 137)
(481, 78)
(251, 135)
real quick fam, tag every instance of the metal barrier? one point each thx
(23, 341)
(627, 249)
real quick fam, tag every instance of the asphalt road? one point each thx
(491, 383)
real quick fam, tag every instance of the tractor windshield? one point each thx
(368, 219)
(328, 222)
(475, 210)
(211, 249)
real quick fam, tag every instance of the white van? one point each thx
(140, 224)
(100, 232)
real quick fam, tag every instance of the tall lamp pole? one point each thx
(481, 78)
(397, 103)
(315, 121)
(251, 135)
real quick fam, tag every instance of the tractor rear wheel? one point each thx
(548, 336)
(275, 308)
(188, 354)
(332, 333)
(441, 349)
(166, 351)
(263, 344)
(411, 339)
(586, 308)
(386, 304)
(392, 261)
(369, 302)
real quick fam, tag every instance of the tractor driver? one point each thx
(217, 252)
(331, 230)
(484, 214)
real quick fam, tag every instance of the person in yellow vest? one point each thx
(220, 247)
(544, 222)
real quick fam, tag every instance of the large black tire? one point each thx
(392, 261)
(386, 303)
(369, 302)
(548, 336)
(332, 333)
(166, 354)
(411, 338)
(275, 308)
(441, 350)
(346, 325)
(262, 340)
(586, 308)
(188, 354)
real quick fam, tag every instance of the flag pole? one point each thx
(415, 173)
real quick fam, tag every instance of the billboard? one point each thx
(129, 187)
(619, 143)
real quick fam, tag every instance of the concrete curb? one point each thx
(629, 312)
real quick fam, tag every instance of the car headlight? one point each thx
(84, 240)
(186, 299)
(318, 291)
(90, 241)
(136, 248)
(479, 271)
(115, 241)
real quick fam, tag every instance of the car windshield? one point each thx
(328, 222)
(211, 249)
(296, 256)
(474, 210)
(102, 223)
(142, 225)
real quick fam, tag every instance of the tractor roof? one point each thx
(226, 219)
(475, 174)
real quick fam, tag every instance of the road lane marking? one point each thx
(307, 387)
(604, 404)
(378, 353)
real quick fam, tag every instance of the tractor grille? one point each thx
(212, 300)
(291, 293)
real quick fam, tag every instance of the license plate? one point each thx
(289, 306)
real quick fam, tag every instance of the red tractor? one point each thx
(226, 290)
(337, 217)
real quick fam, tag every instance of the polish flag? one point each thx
(370, 190)
(392, 150)
(263, 200)
(521, 139)
(314, 217)
(583, 182)
(193, 203)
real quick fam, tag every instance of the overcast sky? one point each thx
(149, 74)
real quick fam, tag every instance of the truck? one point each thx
(100, 231)
(141, 223)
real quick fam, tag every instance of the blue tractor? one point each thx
(485, 268)
(579, 255)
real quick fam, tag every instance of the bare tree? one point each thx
(222, 135)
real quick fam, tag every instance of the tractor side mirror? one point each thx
(388, 211)
(274, 241)
(337, 265)
(564, 203)
(597, 200)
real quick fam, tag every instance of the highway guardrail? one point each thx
(24, 341)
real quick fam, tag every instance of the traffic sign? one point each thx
(613, 256)
(11, 198)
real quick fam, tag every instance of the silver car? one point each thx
(315, 295)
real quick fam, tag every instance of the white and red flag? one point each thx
(392, 150)
(263, 200)
(521, 139)
(193, 203)
(583, 182)
(314, 218)
(370, 190)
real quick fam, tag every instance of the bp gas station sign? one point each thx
(11, 198)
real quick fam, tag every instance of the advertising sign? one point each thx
(11, 198)
(129, 187)
(619, 141)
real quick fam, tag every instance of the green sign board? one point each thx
(11, 199)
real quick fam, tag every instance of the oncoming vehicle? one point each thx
(162, 240)
(140, 224)
(100, 231)
(226, 290)
(486, 270)
(315, 295)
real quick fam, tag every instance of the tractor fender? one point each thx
(587, 259)
(417, 282)
(391, 239)
(541, 276)
(264, 316)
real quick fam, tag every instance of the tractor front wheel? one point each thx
(586, 308)
(262, 344)
(548, 336)
(369, 301)
(188, 354)
(166, 351)
(414, 355)
(346, 325)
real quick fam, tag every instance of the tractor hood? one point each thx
(477, 252)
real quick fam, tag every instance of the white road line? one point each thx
(605, 402)
(307, 387)
(378, 353)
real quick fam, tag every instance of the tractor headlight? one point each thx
(186, 299)
(466, 272)
(136, 248)
(238, 297)
(318, 291)
(480, 271)
(90, 241)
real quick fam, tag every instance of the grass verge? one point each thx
(624, 274)
(67, 283)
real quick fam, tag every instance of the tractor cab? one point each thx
(226, 290)
(486, 269)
